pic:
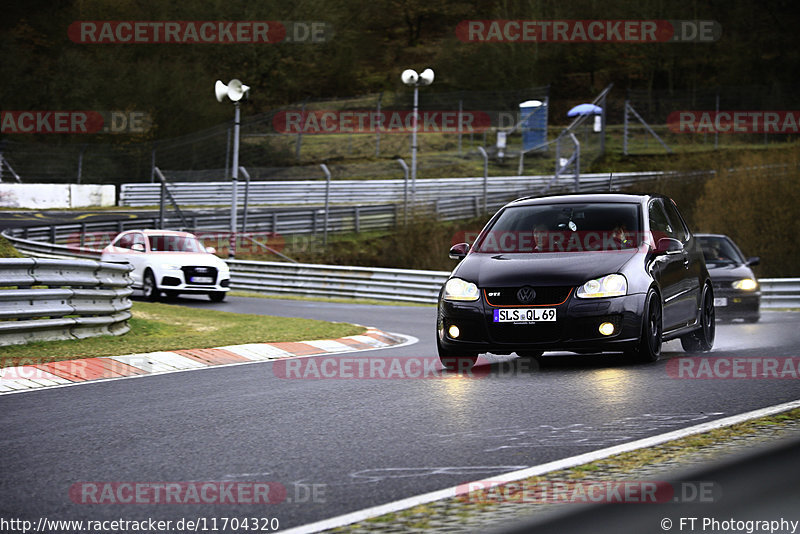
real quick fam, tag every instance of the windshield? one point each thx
(174, 243)
(584, 227)
(720, 250)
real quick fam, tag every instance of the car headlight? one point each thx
(170, 267)
(458, 289)
(745, 284)
(612, 285)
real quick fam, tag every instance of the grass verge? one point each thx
(157, 326)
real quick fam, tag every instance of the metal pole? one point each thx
(300, 133)
(228, 152)
(485, 177)
(153, 164)
(246, 195)
(402, 163)
(460, 109)
(716, 133)
(414, 150)
(80, 163)
(625, 130)
(577, 162)
(378, 129)
(234, 180)
(327, 202)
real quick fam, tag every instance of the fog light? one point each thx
(453, 331)
(606, 328)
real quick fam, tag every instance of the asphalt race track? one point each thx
(357, 443)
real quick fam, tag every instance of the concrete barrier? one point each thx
(54, 196)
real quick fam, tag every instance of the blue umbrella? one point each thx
(584, 109)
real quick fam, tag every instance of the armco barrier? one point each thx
(360, 282)
(780, 292)
(307, 192)
(403, 285)
(47, 299)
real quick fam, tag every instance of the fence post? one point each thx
(357, 217)
(299, 134)
(485, 177)
(327, 202)
(378, 129)
(402, 163)
(625, 130)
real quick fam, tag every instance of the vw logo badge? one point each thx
(526, 294)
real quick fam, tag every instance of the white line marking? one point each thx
(565, 463)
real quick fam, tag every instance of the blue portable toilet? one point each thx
(533, 116)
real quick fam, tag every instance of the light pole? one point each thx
(411, 78)
(235, 91)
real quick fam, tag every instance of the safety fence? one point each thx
(334, 281)
(305, 192)
(49, 299)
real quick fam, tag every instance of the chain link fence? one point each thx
(277, 145)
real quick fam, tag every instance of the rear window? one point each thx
(579, 227)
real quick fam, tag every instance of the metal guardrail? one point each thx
(780, 292)
(307, 192)
(49, 299)
(401, 285)
(359, 282)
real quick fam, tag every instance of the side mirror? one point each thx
(755, 260)
(211, 250)
(459, 251)
(138, 247)
(667, 245)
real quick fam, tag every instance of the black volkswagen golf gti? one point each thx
(585, 273)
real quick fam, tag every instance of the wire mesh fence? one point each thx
(290, 143)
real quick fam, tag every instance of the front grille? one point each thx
(545, 296)
(206, 272)
(727, 284)
(525, 333)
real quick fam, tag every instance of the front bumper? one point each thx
(175, 280)
(735, 304)
(575, 327)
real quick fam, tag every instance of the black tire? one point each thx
(217, 296)
(649, 347)
(702, 339)
(149, 287)
(455, 361)
(752, 319)
(171, 295)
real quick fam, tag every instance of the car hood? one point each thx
(558, 268)
(729, 272)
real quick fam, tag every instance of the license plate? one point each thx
(202, 280)
(524, 315)
(720, 301)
